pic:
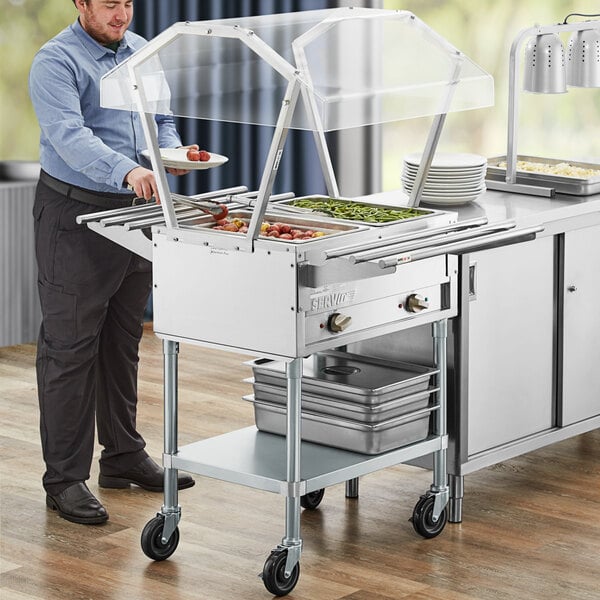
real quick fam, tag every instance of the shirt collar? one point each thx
(96, 49)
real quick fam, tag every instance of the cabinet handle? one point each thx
(571, 288)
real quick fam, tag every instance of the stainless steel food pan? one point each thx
(345, 433)
(349, 377)
(561, 183)
(421, 213)
(329, 227)
(364, 413)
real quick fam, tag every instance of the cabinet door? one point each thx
(581, 326)
(511, 358)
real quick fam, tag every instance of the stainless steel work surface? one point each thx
(497, 206)
(526, 210)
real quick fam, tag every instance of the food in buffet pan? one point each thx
(562, 168)
(565, 176)
(276, 227)
(359, 212)
(347, 434)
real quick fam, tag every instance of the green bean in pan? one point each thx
(357, 211)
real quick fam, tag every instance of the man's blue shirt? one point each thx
(82, 143)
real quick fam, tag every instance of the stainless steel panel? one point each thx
(511, 345)
(581, 326)
(254, 301)
(247, 300)
(346, 434)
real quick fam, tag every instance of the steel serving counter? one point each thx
(523, 350)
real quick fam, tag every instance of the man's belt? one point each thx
(102, 199)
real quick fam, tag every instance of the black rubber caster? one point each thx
(422, 518)
(312, 499)
(152, 543)
(273, 574)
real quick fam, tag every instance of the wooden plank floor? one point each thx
(531, 526)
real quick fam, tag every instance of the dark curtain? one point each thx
(247, 145)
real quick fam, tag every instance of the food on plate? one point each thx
(563, 168)
(197, 155)
(282, 231)
(357, 211)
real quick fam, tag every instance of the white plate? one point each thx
(441, 194)
(446, 173)
(443, 182)
(443, 160)
(449, 201)
(448, 189)
(453, 177)
(175, 158)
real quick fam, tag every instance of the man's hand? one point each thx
(143, 183)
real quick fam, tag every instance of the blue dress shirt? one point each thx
(82, 143)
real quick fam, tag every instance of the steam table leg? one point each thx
(282, 569)
(160, 536)
(292, 540)
(170, 508)
(457, 491)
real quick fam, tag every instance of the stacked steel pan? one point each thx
(356, 403)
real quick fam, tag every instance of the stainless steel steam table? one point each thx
(340, 68)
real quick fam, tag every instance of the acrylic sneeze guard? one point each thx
(321, 70)
(361, 66)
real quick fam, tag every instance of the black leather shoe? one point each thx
(147, 475)
(78, 505)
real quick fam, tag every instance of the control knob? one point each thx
(416, 303)
(338, 322)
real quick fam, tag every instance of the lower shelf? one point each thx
(258, 459)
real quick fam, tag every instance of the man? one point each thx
(93, 292)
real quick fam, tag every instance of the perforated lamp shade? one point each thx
(545, 65)
(583, 59)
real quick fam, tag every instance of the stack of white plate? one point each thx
(452, 178)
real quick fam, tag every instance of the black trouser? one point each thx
(93, 294)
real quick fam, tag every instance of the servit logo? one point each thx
(331, 299)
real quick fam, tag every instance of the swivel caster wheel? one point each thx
(312, 499)
(152, 543)
(422, 518)
(273, 574)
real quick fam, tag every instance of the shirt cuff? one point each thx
(121, 169)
